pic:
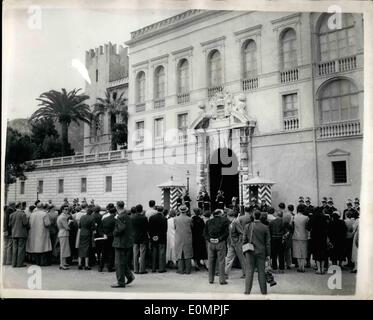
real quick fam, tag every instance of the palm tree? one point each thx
(113, 106)
(64, 107)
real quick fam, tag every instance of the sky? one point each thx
(37, 56)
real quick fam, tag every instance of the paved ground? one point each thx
(152, 285)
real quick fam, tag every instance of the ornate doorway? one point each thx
(224, 175)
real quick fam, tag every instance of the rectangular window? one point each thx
(40, 186)
(182, 122)
(290, 105)
(83, 185)
(22, 187)
(108, 184)
(140, 131)
(339, 171)
(60, 185)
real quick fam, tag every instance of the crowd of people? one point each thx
(131, 241)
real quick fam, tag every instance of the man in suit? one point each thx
(277, 231)
(158, 240)
(8, 241)
(258, 234)
(107, 227)
(19, 224)
(140, 228)
(123, 242)
(216, 233)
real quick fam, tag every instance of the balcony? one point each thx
(289, 75)
(291, 123)
(158, 141)
(183, 98)
(159, 103)
(337, 65)
(214, 90)
(78, 159)
(140, 107)
(249, 84)
(183, 137)
(339, 129)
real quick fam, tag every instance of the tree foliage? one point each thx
(64, 107)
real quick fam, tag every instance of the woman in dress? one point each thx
(300, 237)
(63, 236)
(198, 240)
(170, 251)
(86, 226)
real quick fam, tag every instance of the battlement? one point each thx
(106, 51)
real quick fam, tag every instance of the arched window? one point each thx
(338, 42)
(288, 49)
(159, 83)
(215, 72)
(140, 90)
(183, 76)
(249, 60)
(338, 101)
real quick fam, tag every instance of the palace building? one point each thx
(264, 104)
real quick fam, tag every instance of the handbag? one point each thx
(249, 246)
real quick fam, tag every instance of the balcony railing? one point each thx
(140, 107)
(158, 140)
(214, 90)
(338, 65)
(183, 98)
(249, 84)
(77, 159)
(289, 75)
(339, 129)
(291, 123)
(159, 103)
(183, 137)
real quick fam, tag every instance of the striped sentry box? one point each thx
(264, 192)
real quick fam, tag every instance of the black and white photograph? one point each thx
(186, 150)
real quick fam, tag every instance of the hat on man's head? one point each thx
(324, 199)
(183, 208)
(234, 199)
(356, 200)
(301, 199)
(253, 199)
(308, 199)
(217, 212)
(349, 202)
(330, 200)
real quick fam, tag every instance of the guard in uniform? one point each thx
(309, 210)
(216, 233)
(206, 201)
(220, 200)
(187, 199)
(235, 206)
(350, 210)
(200, 200)
(330, 207)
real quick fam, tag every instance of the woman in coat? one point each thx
(355, 244)
(300, 237)
(337, 236)
(86, 226)
(183, 241)
(318, 225)
(198, 240)
(170, 251)
(63, 236)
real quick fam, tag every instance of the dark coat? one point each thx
(140, 228)
(318, 226)
(217, 228)
(158, 228)
(337, 236)
(86, 225)
(19, 224)
(199, 242)
(261, 239)
(123, 232)
(108, 225)
(7, 228)
(98, 218)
